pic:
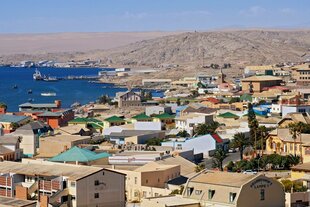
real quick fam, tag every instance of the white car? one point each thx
(249, 172)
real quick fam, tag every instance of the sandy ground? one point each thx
(71, 42)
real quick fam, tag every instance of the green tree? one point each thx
(183, 133)
(218, 158)
(178, 102)
(154, 142)
(240, 141)
(203, 129)
(200, 167)
(253, 125)
(3, 105)
(104, 99)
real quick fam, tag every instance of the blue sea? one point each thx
(68, 91)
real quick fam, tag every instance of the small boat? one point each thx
(37, 75)
(29, 91)
(15, 86)
(50, 79)
(48, 94)
(30, 100)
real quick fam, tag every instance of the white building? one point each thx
(189, 121)
(205, 144)
(295, 108)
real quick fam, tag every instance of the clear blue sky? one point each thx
(40, 16)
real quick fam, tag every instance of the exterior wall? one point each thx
(111, 190)
(141, 139)
(259, 85)
(129, 99)
(250, 193)
(297, 199)
(290, 109)
(157, 110)
(29, 144)
(52, 148)
(202, 144)
(275, 144)
(159, 178)
(276, 109)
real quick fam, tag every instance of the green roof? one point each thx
(229, 115)
(78, 154)
(246, 97)
(142, 116)
(95, 123)
(114, 119)
(164, 116)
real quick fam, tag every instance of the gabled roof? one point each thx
(213, 100)
(12, 118)
(9, 139)
(142, 116)
(114, 119)
(78, 154)
(42, 105)
(229, 115)
(246, 97)
(34, 125)
(93, 122)
(164, 116)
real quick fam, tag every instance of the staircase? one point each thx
(33, 188)
(55, 197)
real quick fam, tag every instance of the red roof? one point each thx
(213, 100)
(217, 138)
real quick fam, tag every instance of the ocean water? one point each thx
(68, 91)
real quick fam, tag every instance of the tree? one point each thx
(3, 105)
(240, 142)
(296, 129)
(200, 167)
(203, 129)
(104, 99)
(183, 133)
(253, 125)
(178, 102)
(154, 142)
(218, 158)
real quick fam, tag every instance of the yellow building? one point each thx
(301, 172)
(294, 118)
(257, 83)
(280, 141)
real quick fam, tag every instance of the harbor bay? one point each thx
(17, 86)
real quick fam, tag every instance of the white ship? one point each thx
(37, 75)
(48, 94)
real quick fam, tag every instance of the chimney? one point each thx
(58, 103)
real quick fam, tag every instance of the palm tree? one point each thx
(296, 129)
(218, 158)
(240, 142)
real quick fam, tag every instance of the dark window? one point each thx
(96, 195)
(103, 173)
(262, 194)
(211, 194)
(96, 182)
(232, 197)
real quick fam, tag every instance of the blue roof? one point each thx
(78, 154)
(12, 118)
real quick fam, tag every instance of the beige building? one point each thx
(14, 202)
(128, 99)
(53, 145)
(301, 74)
(210, 188)
(257, 83)
(149, 180)
(69, 185)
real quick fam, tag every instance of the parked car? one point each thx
(250, 172)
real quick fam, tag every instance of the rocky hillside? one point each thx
(250, 47)
(236, 47)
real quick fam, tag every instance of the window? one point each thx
(198, 192)
(136, 180)
(96, 182)
(262, 194)
(156, 194)
(189, 191)
(144, 194)
(232, 197)
(72, 184)
(102, 172)
(96, 195)
(159, 180)
(146, 181)
(211, 194)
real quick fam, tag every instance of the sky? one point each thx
(46, 16)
